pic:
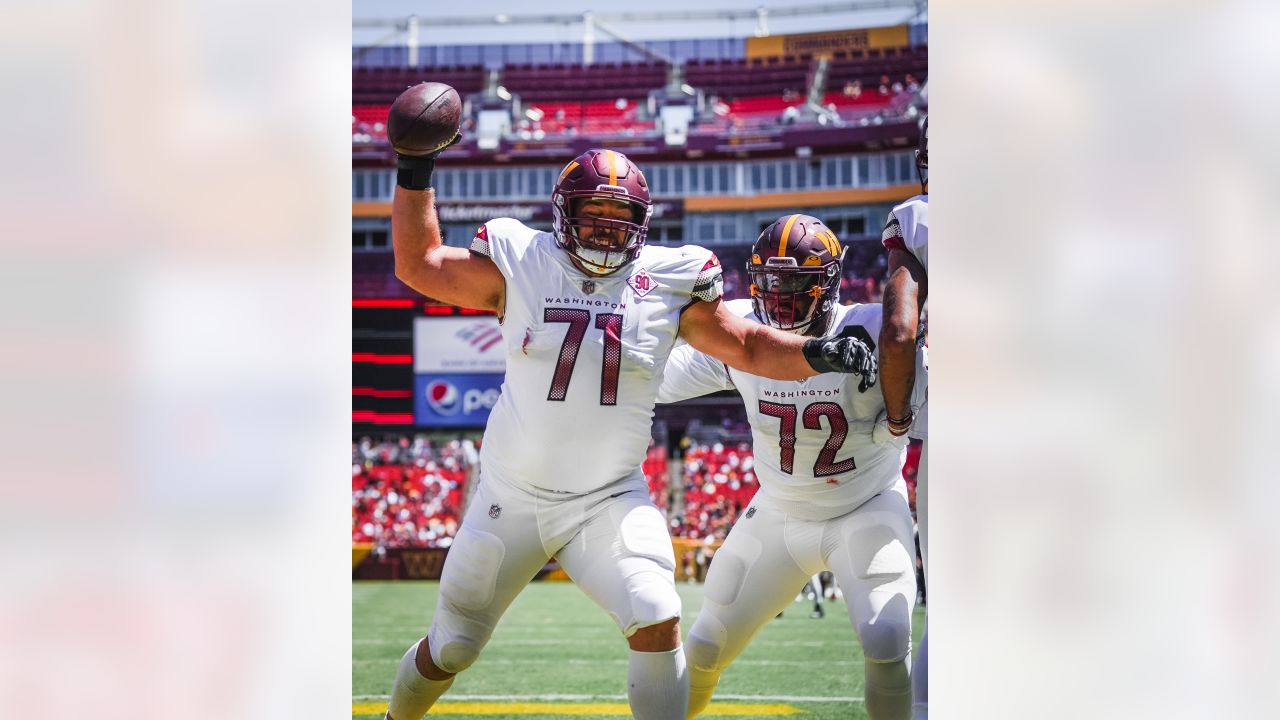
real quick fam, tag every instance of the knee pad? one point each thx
(653, 598)
(885, 640)
(461, 625)
(453, 651)
(706, 641)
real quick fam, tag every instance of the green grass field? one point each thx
(556, 654)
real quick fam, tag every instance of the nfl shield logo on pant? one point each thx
(495, 511)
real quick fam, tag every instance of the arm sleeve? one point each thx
(690, 373)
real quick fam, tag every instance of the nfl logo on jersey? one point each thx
(495, 511)
(642, 283)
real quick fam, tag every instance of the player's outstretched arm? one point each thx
(903, 295)
(424, 263)
(761, 350)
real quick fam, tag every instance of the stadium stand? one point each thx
(408, 493)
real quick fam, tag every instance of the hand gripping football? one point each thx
(424, 119)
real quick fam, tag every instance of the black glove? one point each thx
(413, 172)
(844, 355)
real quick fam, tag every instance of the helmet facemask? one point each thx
(601, 244)
(795, 298)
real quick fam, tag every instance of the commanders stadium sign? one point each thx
(525, 212)
(827, 43)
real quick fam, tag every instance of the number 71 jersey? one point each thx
(585, 356)
(812, 439)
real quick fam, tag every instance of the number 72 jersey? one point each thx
(812, 439)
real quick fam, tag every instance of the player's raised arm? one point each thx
(422, 123)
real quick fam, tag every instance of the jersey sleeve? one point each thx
(502, 241)
(708, 286)
(892, 238)
(691, 373)
(907, 228)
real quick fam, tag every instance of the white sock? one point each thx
(888, 691)
(413, 695)
(920, 679)
(657, 685)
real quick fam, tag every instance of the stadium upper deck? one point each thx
(729, 103)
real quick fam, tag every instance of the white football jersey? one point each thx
(585, 355)
(908, 228)
(812, 439)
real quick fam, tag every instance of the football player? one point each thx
(589, 314)
(832, 496)
(906, 236)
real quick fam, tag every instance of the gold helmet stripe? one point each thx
(613, 167)
(786, 230)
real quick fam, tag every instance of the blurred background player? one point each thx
(906, 236)
(831, 496)
(589, 315)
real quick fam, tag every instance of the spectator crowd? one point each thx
(409, 492)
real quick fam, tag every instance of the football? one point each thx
(424, 118)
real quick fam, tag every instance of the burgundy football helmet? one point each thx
(600, 175)
(795, 275)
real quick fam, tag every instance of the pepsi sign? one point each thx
(455, 400)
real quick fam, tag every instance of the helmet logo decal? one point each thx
(755, 259)
(786, 232)
(642, 283)
(567, 169)
(812, 260)
(828, 239)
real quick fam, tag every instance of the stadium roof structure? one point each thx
(608, 22)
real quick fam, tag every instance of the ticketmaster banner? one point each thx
(455, 400)
(469, 344)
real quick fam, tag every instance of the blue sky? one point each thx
(386, 9)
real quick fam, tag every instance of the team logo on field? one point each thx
(751, 511)
(443, 397)
(642, 283)
(494, 511)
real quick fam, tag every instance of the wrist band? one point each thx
(414, 173)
